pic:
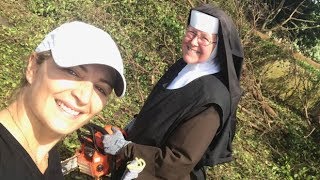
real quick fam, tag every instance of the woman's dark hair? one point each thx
(40, 58)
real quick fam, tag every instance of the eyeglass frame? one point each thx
(195, 34)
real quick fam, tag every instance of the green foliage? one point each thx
(149, 34)
(296, 21)
(313, 52)
(44, 8)
(262, 52)
(300, 80)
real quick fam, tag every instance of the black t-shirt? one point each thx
(16, 164)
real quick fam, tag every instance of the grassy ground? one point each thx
(273, 140)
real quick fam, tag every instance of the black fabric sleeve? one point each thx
(182, 151)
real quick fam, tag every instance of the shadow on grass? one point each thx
(296, 154)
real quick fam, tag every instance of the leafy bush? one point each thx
(149, 35)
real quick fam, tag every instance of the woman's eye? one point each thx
(205, 39)
(192, 33)
(72, 72)
(101, 90)
(189, 34)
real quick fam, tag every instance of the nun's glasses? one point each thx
(203, 39)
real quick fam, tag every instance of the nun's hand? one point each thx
(112, 143)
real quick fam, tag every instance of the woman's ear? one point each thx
(32, 68)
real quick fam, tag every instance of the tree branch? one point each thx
(290, 29)
(293, 12)
(190, 2)
(303, 20)
(273, 14)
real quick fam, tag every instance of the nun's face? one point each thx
(197, 45)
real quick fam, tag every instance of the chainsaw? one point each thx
(90, 158)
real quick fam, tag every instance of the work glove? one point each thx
(133, 169)
(112, 143)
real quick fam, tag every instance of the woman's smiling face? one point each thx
(64, 99)
(193, 48)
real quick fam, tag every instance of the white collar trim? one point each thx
(193, 71)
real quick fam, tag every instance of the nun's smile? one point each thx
(197, 46)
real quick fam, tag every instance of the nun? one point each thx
(188, 120)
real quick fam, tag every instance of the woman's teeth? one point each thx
(189, 49)
(68, 110)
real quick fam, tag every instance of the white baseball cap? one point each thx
(77, 43)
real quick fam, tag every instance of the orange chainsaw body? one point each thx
(91, 158)
(96, 166)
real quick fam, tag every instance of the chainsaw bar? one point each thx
(69, 164)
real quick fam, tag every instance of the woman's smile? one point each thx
(193, 50)
(67, 109)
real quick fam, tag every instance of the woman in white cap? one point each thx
(188, 120)
(67, 81)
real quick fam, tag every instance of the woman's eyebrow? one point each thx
(107, 81)
(83, 68)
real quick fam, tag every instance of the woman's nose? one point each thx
(194, 40)
(83, 92)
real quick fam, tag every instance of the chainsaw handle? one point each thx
(96, 133)
(97, 128)
(109, 130)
